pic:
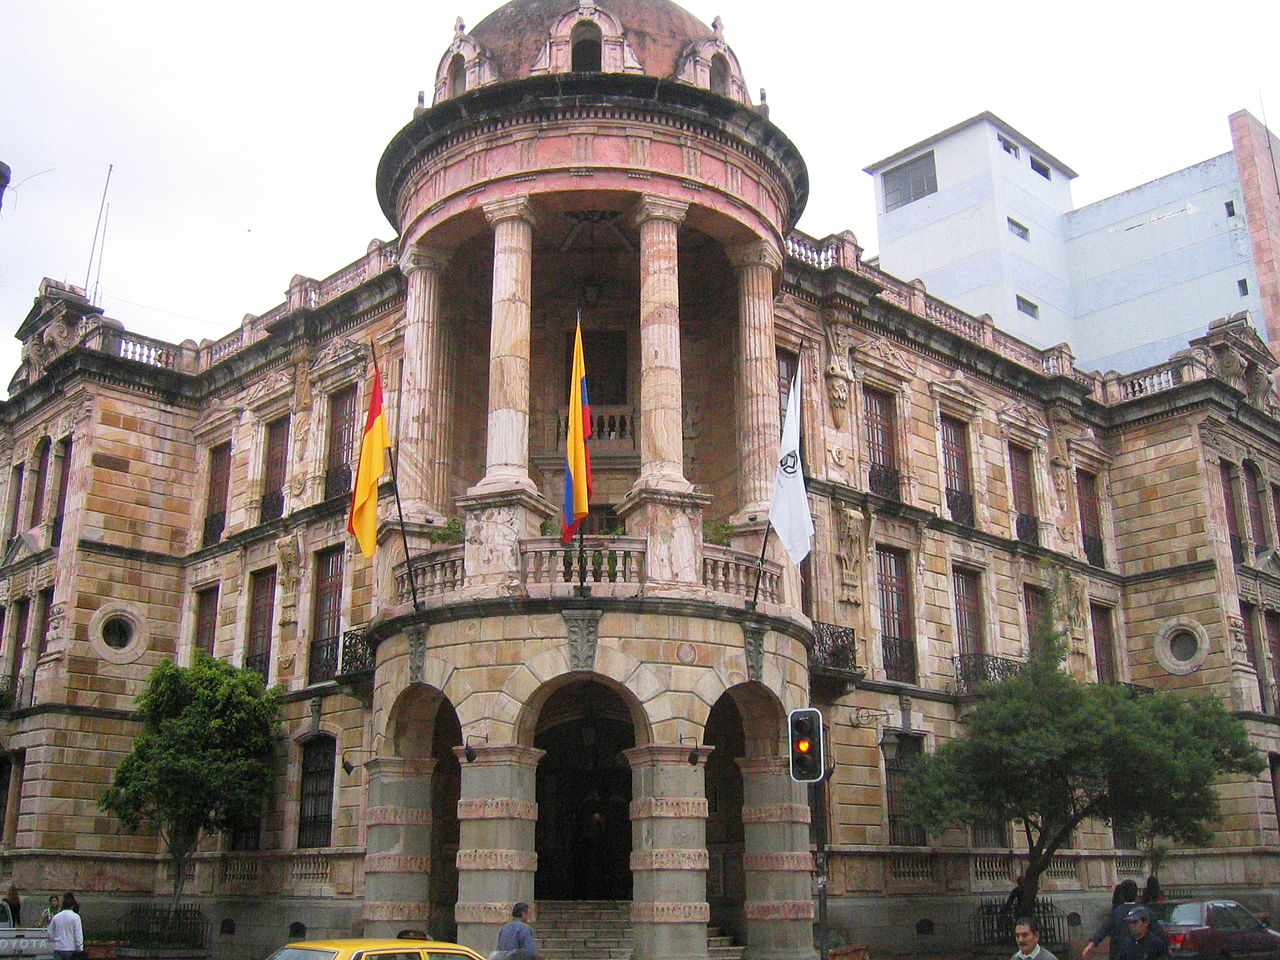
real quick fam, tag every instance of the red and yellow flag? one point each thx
(577, 452)
(363, 521)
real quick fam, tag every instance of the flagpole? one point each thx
(395, 484)
(764, 542)
(583, 590)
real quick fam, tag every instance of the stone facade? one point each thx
(527, 721)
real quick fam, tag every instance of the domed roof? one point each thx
(656, 30)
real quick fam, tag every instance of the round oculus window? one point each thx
(117, 632)
(1184, 645)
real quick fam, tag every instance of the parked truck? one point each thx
(30, 943)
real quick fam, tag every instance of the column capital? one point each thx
(659, 208)
(756, 253)
(657, 754)
(488, 756)
(763, 766)
(424, 256)
(511, 208)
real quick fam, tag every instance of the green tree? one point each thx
(203, 758)
(1046, 751)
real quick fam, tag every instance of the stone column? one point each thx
(505, 506)
(662, 506)
(497, 813)
(776, 861)
(757, 387)
(422, 469)
(397, 861)
(669, 909)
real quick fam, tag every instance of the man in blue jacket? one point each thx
(515, 939)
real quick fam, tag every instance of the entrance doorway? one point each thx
(583, 835)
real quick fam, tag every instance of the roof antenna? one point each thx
(97, 226)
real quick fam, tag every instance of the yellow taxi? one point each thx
(368, 948)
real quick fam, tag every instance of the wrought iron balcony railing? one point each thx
(834, 646)
(259, 663)
(899, 659)
(885, 482)
(323, 664)
(1028, 529)
(214, 524)
(975, 669)
(357, 655)
(960, 504)
(337, 481)
(272, 506)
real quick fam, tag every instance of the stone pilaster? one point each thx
(776, 861)
(397, 861)
(422, 468)
(757, 387)
(497, 813)
(505, 507)
(662, 506)
(669, 909)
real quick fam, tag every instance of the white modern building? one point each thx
(983, 215)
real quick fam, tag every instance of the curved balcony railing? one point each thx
(834, 646)
(434, 573)
(975, 669)
(616, 560)
(725, 570)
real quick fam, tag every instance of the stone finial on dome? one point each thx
(459, 27)
(717, 27)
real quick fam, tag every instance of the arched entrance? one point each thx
(446, 787)
(583, 834)
(726, 883)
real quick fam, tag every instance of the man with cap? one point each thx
(1141, 942)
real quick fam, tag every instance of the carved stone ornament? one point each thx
(417, 653)
(880, 353)
(584, 634)
(753, 638)
(1021, 418)
(851, 525)
(840, 340)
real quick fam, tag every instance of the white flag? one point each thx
(789, 512)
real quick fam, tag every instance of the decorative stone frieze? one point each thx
(670, 860)
(583, 627)
(397, 815)
(497, 808)
(375, 911)
(482, 912)
(780, 813)
(497, 860)
(668, 807)
(396, 863)
(753, 639)
(670, 912)
(778, 910)
(770, 862)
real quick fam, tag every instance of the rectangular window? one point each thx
(64, 477)
(1273, 648)
(895, 775)
(1274, 760)
(206, 632)
(956, 472)
(909, 181)
(326, 617)
(38, 492)
(15, 500)
(1022, 488)
(1028, 307)
(1021, 231)
(788, 363)
(44, 604)
(1090, 517)
(882, 442)
(6, 771)
(1040, 167)
(897, 638)
(340, 447)
(1243, 286)
(215, 512)
(274, 468)
(966, 585)
(1249, 634)
(1007, 145)
(1039, 622)
(990, 833)
(1253, 500)
(1230, 207)
(21, 620)
(315, 816)
(1104, 643)
(262, 605)
(1225, 476)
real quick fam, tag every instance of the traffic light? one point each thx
(808, 749)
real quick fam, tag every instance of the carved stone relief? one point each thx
(584, 635)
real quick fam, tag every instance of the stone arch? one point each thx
(585, 47)
(524, 729)
(616, 54)
(457, 80)
(465, 65)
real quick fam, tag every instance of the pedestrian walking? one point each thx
(54, 906)
(1027, 932)
(15, 905)
(515, 939)
(66, 933)
(1113, 924)
(1141, 942)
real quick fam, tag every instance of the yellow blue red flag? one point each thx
(577, 451)
(363, 520)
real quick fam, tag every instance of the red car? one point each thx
(1215, 929)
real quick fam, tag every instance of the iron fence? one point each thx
(357, 655)
(151, 926)
(975, 669)
(991, 924)
(885, 482)
(834, 646)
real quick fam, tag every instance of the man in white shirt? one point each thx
(1027, 932)
(65, 931)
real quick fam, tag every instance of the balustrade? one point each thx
(731, 571)
(601, 560)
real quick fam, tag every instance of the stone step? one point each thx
(602, 930)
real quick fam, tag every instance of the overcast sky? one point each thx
(245, 136)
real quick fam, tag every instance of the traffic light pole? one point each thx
(818, 796)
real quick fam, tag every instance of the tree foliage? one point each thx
(203, 758)
(1046, 751)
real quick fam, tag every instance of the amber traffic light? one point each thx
(808, 751)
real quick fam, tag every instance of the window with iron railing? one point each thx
(315, 814)
(1022, 488)
(1090, 517)
(275, 466)
(38, 486)
(1253, 501)
(262, 603)
(1035, 602)
(897, 636)
(21, 620)
(956, 471)
(44, 606)
(343, 407)
(60, 500)
(326, 619)
(880, 423)
(1226, 476)
(15, 499)
(968, 598)
(215, 513)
